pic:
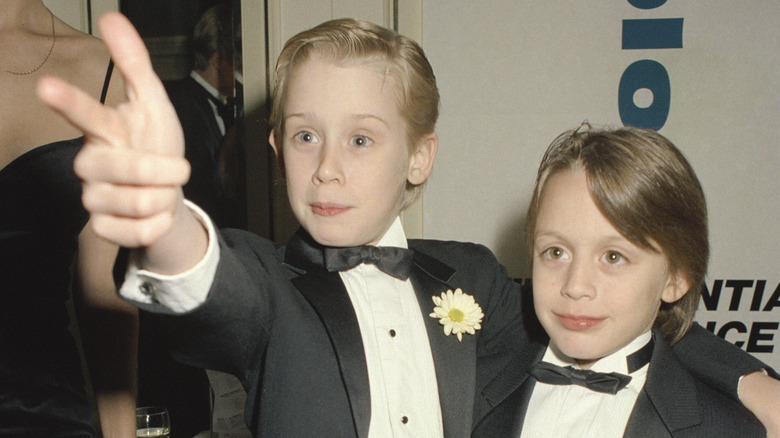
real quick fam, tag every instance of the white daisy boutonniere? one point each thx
(458, 313)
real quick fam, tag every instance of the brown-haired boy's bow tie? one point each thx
(393, 261)
(601, 382)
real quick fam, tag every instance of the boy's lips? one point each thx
(327, 210)
(578, 322)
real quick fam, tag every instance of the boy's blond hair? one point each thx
(649, 192)
(348, 40)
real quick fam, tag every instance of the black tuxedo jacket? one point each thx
(286, 328)
(672, 402)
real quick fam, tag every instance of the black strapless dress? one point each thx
(41, 382)
(42, 392)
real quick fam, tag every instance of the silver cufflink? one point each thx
(147, 288)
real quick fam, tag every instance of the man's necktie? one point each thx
(609, 383)
(393, 261)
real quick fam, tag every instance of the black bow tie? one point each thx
(601, 382)
(390, 260)
(224, 110)
(609, 383)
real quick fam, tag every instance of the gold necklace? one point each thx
(53, 41)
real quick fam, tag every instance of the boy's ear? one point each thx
(421, 161)
(278, 151)
(676, 287)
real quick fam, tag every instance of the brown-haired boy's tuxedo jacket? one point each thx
(672, 402)
(286, 328)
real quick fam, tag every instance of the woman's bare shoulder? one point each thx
(83, 60)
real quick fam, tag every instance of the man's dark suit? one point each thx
(672, 402)
(287, 329)
(202, 139)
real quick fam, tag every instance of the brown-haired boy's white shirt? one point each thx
(571, 410)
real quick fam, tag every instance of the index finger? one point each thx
(97, 121)
(131, 57)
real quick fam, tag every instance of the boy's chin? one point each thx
(580, 351)
(342, 234)
(336, 239)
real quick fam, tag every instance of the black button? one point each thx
(392, 333)
(404, 419)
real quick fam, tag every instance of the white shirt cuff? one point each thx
(739, 382)
(181, 292)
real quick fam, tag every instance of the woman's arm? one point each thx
(109, 332)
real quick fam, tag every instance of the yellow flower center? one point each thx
(456, 315)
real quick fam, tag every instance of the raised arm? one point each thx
(732, 371)
(132, 164)
(761, 394)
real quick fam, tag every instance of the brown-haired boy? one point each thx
(617, 236)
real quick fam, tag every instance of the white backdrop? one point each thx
(514, 74)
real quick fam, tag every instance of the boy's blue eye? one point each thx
(305, 137)
(360, 141)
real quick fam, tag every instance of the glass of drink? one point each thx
(152, 421)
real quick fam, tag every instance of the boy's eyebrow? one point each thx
(360, 116)
(549, 234)
(370, 116)
(605, 239)
(290, 116)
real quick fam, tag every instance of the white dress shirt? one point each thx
(215, 93)
(181, 292)
(575, 411)
(401, 374)
(402, 378)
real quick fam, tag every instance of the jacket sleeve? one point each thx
(231, 327)
(715, 361)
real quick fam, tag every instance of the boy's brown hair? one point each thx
(649, 192)
(348, 40)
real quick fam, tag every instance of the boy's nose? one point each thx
(579, 283)
(329, 168)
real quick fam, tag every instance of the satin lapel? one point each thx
(506, 419)
(663, 407)
(510, 378)
(455, 361)
(644, 420)
(521, 399)
(328, 296)
(504, 400)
